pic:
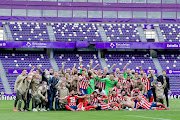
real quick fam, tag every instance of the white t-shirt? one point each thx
(102, 93)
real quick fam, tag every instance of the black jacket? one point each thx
(160, 79)
(43, 76)
(54, 81)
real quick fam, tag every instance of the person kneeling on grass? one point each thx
(142, 102)
(72, 101)
(62, 92)
(40, 97)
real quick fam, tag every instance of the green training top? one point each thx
(109, 83)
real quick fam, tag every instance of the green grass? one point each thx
(7, 113)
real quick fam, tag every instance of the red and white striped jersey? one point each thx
(100, 84)
(144, 103)
(128, 84)
(94, 100)
(146, 82)
(84, 82)
(120, 97)
(121, 80)
(105, 106)
(118, 91)
(113, 99)
(133, 91)
(71, 100)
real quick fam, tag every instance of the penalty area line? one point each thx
(148, 117)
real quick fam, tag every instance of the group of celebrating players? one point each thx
(83, 89)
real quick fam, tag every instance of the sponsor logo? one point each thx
(173, 71)
(15, 71)
(39, 44)
(173, 45)
(123, 45)
(28, 44)
(112, 45)
(148, 26)
(120, 45)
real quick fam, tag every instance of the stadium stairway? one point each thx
(158, 66)
(8, 33)
(159, 34)
(103, 62)
(141, 34)
(4, 79)
(54, 64)
(102, 33)
(51, 33)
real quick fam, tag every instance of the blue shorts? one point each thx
(149, 93)
(154, 104)
(98, 107)
(73, 107)
(135, 103)
(84, 91)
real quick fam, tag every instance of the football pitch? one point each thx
(7, 113)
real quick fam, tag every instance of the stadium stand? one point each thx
(22, 60)
(122, 32)
(71, 32)
(170, 61)
(122, 37)
(135, 60)
(73, 57)
(171, 32)
(76, 31)
(28, 31)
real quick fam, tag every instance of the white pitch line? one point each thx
(148, 117)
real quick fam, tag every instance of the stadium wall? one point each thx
(89, 12)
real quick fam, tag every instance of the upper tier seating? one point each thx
(170, 32)
(76, 31)
(26, 31)
(122, 32)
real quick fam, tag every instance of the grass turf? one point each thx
(7, 113)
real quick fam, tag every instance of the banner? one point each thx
(146, 71)
(173, 71)
(23, 44)
(17, 71)
(82, 44)
(4, 96)
(136, 45)
(98, 45)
